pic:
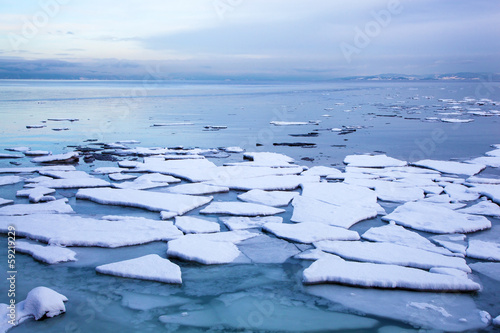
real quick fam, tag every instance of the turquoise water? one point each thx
(389, 117)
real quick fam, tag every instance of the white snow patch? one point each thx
(5, 201)
(36, 194)
(485, 207)
(71, 183)
(455, 242)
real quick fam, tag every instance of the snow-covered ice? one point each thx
(485, 207)
(36, 194)
(453, 167)
(490, 269)
(71, 183)
(383, 276)
(194, 225)
(309, 232)
(71, 230)
(71, 157)
(53, 207)
(202, 250)
(240, 209)
(120, 176)
(483, 180)
(265, 183)
(390, 253)
(493, 162)
(263, 249)
(37, 169)
(394, 192)
(243, 222)
(148, 181)
(490, 191)
(197, 189)
(51, 254)
(270, 198)
(459, 192)
(454, 242)
(435, 218)
(396, 234)
(149, 267)
(373, 161)
(9, 180)
(456, 120)
(154, 201)
(496, 321)
(340, 194)
(5, 201)
(65, 174)
(484, 250)
(322, 171)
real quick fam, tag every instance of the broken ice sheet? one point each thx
(270, 198)
(453, 167)
(267, 250)
(309, 232)
(202, 250)
(244, 222)
(484, 250)
(373, 161)
(240, 209)
(485, 207)
(54, 207)
(50, 254)
(193, 225)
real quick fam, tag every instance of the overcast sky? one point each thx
(258, 37)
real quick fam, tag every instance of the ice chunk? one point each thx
(71, 157)
(265, 183)
(395, 304)
(272, 198)
(268, 158)
(490, 269)
(154, 201)
(456, 120)
(389, 253)
(373, 161)
(10, 156)
(65, 174)
(9, 180)
(36, 194)
(240, 208)
(289, 123)
(491, 191)
(197, 189)
(18, 149)
(394, 192)
(41, 302)
(51, 254)
(149, 267)
(178, 168)
(201, 250)
(165, 215)
(309, 232)
(71, 183)
(148, 181)
(107, 170)
(459, 192)
(233, 149)
(120, 176)
(480, 180)
(322, 171)
(436, 218)
(458, 168)
(340, 194)
(306, 209)
(383, 276)
(55, 207)
(266, 313)
(69, 230)
(479, 249)
(234, 237)
(37, 169)
(485, 207)
(193, 225)
(496, 321)
(5, 201)
(392, 233)
(315, 254)
(455, 242)
(493, 162)
(267, 250)
(243, 222)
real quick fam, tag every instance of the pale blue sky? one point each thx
(237, 37)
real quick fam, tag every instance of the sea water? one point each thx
(400, 119)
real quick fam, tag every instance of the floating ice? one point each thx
(267, 250)
(148, 181)
(71, 183)
(290, 123)
(65, 174)
(373, 161)
(18, 149)
(394, 192)
(309, 232)
(70, 230)
(233, 149)
(493, 162)
(340, 194)
(193, 225)
(37, 152)
(383, 276)
(197, 189)
(496, 321)
(435, 218)
(201, 250)
(120, 176)
(240, 209)
(272, 198)
(392, 233)
(268, 158)
(307, 209)
(490, 269)
(107, 170)
(459, 192)
(265, 183)
(491, 191)
(193, 170)
(154, 201)
(455, 242)
(51, 254)
(315, 254)
(458, 168)
(480, 180)
(389, 253)
(10, 156)
(5, 201)
(71, 157)
(322, 171)
(456, 120)
(485, 207)
(9, 180)
(149, 267)
(242, 222)
(54, 207)
(479, 249)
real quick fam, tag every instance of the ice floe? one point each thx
(53, 207)
(383, 276)
(5, 201)
(459, 192)
(193, 225)
(493, 162)
(484, 250)
(496, 321)
(37, 194)
(240, 209)
(70, 230)
(265, 183)
(71, 183)
(490, 269)
(456, 120)
(481, 180)
(373, 161)
(202, 250)
(149, 267)
(71, 157)
(65, 174)
(394, 192)
(9, 180)
(390, 253)
(270, 198)
(291, 123)
(37, 169)
(51, 254)
(243, 222)
(263, 249)
(120, 176)
(323, 171)
(455, 242)
(453, 167)
(485, 207)
(10, 156)
(435, 218)
(309, 232)
(148, 181)
(154, 201)
(197, 189)
(490, 191)
(396, 234)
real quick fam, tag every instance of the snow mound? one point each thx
(309, 232)
(149, 267)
